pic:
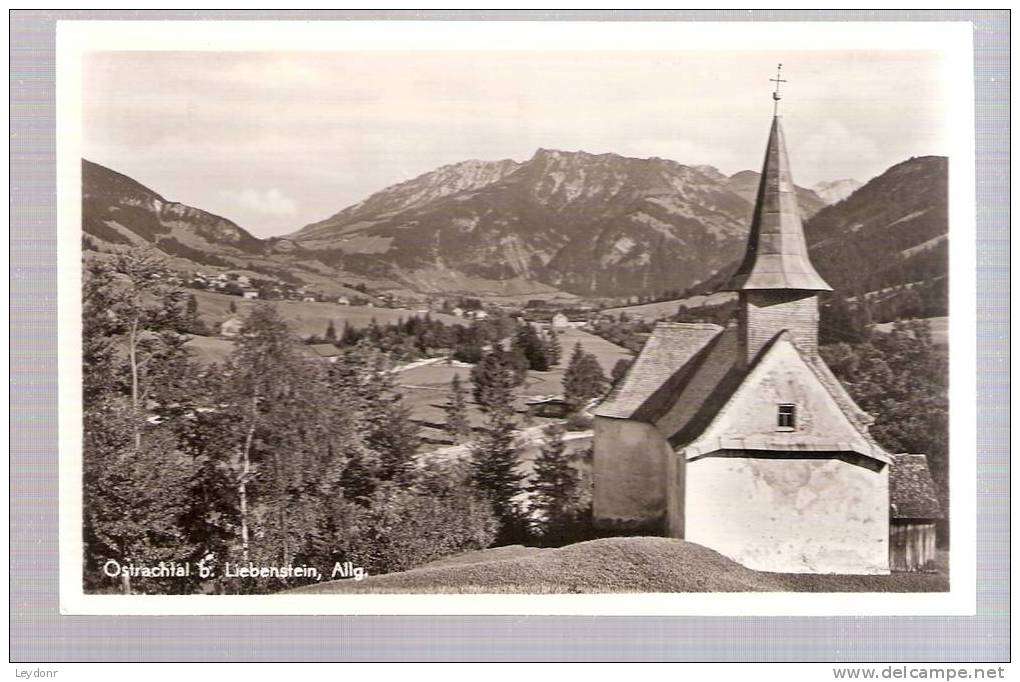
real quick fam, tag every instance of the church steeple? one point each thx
(776, 255)
(777, 284)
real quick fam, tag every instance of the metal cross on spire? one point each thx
(775, 93)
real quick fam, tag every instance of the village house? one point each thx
(232, 326)
(250, 294)
(740, 438)
(560, 321)
(343, 300)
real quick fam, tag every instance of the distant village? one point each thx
(554, 313)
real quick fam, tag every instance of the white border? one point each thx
(953, 40)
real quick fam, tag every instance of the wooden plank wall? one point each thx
(912, 546)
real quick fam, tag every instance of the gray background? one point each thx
(40, 634)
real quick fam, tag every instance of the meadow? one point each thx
(307, 318)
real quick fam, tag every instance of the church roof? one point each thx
(912, 493)
(777, 256)
(688, 373)
(657, 370)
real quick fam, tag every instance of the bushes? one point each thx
(406, 527)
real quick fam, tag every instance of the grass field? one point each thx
(306, 318)
(209, 350)
(633, 564)
(939, 329)
(664, 309)
(426, 389)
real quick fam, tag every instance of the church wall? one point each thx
(629, 471)
(783, 379)
(784, 514)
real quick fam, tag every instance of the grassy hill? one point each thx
(633, 564)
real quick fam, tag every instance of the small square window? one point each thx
(786, 420)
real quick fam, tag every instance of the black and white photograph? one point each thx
(632, 320)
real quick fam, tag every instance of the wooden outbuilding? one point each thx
(913, 510)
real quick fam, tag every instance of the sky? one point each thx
(277, 140)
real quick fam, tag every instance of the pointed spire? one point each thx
(777, 256)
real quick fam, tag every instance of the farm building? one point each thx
(324, 351)
(250, 294)
(231, 327)
(554, 406)
(740, 438)
(560, 321)
(913, 510)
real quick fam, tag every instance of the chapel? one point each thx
(740, 438)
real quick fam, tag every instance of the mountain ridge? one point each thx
(599, 225)
(589, 224)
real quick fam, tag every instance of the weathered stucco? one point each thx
(777, 512)
(629, 474)
(782, 377)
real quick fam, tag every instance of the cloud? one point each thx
(272, 202)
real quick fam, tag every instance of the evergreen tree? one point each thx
(555, 489)
(493, 380)
(456, 412)
(350, 335)
(620, 370)
(192, 307)
(553, 348)
(583, 379)
(527, 343)
(494, 470)
(389, 431)
(232, 308)
(330, 332)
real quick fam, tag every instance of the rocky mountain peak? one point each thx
(836, 190)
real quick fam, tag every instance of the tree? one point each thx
(136, 480)
(389, 432)
(494, 455)
(493, 380)
(620, 370)
(456, 412)
(232, 308)
(553, 347)
(436, 515)
(494, 464)
(555, 490)
(583, 379)
(330, 332)
(192, 307)
(527, 343)
(294, 442)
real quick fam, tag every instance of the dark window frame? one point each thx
(786, 417)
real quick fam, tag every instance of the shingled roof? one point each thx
(657, 371)
(323, 350)
(912, 493)
(777, 256)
